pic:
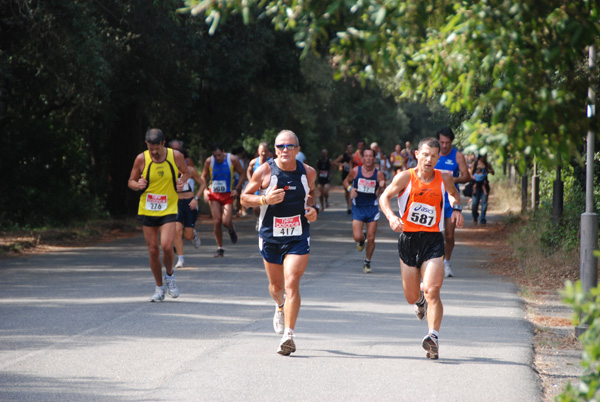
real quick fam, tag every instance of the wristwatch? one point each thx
(457, 208)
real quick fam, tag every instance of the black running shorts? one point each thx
(156, 221)
(415, 248)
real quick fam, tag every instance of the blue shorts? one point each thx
(275, 252)
(185, 214)
(447, 207)
(365, 214)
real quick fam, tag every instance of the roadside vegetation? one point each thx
(544, 255)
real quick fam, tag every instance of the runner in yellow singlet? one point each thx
(155, 172)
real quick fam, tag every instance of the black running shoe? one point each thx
(233, 236)
(360, 246)
(220, 253)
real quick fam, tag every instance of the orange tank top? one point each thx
(421, 205)
(356, 159)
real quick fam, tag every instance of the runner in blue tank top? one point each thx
(218, 174)
(452, 160)
(367, 184)
(286, 201)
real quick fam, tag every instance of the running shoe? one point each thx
(158, 296)
(233, 236)
(430, 344)
(367, 267)
(421, 311)
(172, 289)
(278, 320)
(196, 240)
(447, 270)
(360, 246)
(179, 264)
(220, 253)
(287, 345)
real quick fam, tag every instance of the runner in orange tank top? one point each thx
(420, 194)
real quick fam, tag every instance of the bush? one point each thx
(587, 310)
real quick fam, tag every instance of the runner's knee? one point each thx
(432, 293)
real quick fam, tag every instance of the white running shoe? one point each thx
(431, 345)
(172, 289)
(158, 296)
(421, 311)
(447, 270)
(179, 263)
(287, 345)
(196, 240)
(278, 320)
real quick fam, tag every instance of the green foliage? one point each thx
(80, 83)
(586, 309)
(563, 235)
(514, 69)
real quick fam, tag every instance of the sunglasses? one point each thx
(281, 147)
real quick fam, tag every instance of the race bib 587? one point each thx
(422, 214)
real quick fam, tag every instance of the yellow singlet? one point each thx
(160, 197)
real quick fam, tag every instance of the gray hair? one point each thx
(282, 132)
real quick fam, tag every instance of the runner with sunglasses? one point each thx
(286, 201)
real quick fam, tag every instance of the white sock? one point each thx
(434, 333)
(288, 331)
(181, 259)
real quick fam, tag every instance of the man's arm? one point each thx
(181, 165)
(348, 180)
(311, 211)
(454, 197)
(237, 166)
(250, 199)
(464, 177)
(397, 185)
(205, 173)
(249, 171)
(136, 182)
(202, 184)
(381, 180)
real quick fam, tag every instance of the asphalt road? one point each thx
(77, 326)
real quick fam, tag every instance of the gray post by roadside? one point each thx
(588, 263)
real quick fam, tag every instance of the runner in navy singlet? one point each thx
(367, 185)
(286, 201)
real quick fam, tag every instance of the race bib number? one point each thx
(422, 214)
(288, 226)
(156, 202)
(219, 186)
(323, 174)
(366, 186)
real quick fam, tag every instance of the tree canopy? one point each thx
(515, 71)
(81, 82)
